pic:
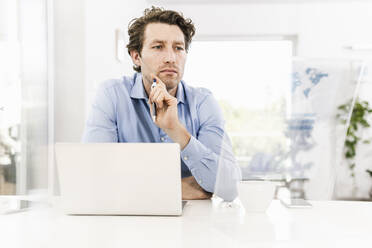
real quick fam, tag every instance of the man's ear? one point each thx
(135, 57)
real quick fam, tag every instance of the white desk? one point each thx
(203, 224)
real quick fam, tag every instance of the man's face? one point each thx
(163, 54)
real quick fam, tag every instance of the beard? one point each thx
(169, 82)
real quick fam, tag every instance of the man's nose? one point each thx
(169, 56)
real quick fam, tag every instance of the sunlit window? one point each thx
(23, 97)
(250, 79)
(10, 99)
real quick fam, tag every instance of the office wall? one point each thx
(85, 56)
(85, 44)
(102, 20)
(70, 74)
(322, 28)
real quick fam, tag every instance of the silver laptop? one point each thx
(120, 178)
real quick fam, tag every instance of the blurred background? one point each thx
(292, 77)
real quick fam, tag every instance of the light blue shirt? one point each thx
(120, 113)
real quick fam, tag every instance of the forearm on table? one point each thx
(191, 190)
(203, 162)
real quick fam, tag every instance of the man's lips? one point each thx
(169, 71)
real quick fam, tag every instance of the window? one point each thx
(10, 99)
(23, 98)
(251, 81)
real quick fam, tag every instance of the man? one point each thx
(191, 117)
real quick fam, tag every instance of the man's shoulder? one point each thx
(198, 93)
(117, 83)
(202, 100)
(117, 88)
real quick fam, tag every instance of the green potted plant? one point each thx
(370, 191)
(358, 121)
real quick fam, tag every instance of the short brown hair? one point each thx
(136, 28)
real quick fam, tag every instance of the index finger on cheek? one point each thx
(153, 76)
(158, 80)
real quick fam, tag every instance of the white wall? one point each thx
(85, 44)
(102, 19)
(84, 49)
(322, 28)
(70, 75)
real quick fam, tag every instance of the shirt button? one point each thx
(162, 138)
(185, 158)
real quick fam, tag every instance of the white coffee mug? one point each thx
(256, 196)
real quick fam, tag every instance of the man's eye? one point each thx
(157, 47)
(179, 48)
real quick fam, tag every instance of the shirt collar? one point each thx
(180, 95)
(138, 91)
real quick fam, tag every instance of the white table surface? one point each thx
(203, 224)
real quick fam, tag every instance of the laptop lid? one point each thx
(120, 178)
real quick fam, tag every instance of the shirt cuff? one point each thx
(191, 154)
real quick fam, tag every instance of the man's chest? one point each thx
(135, 124)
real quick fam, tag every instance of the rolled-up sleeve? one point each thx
(101, 123)
(209, 156)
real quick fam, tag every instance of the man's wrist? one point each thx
(179, 134)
